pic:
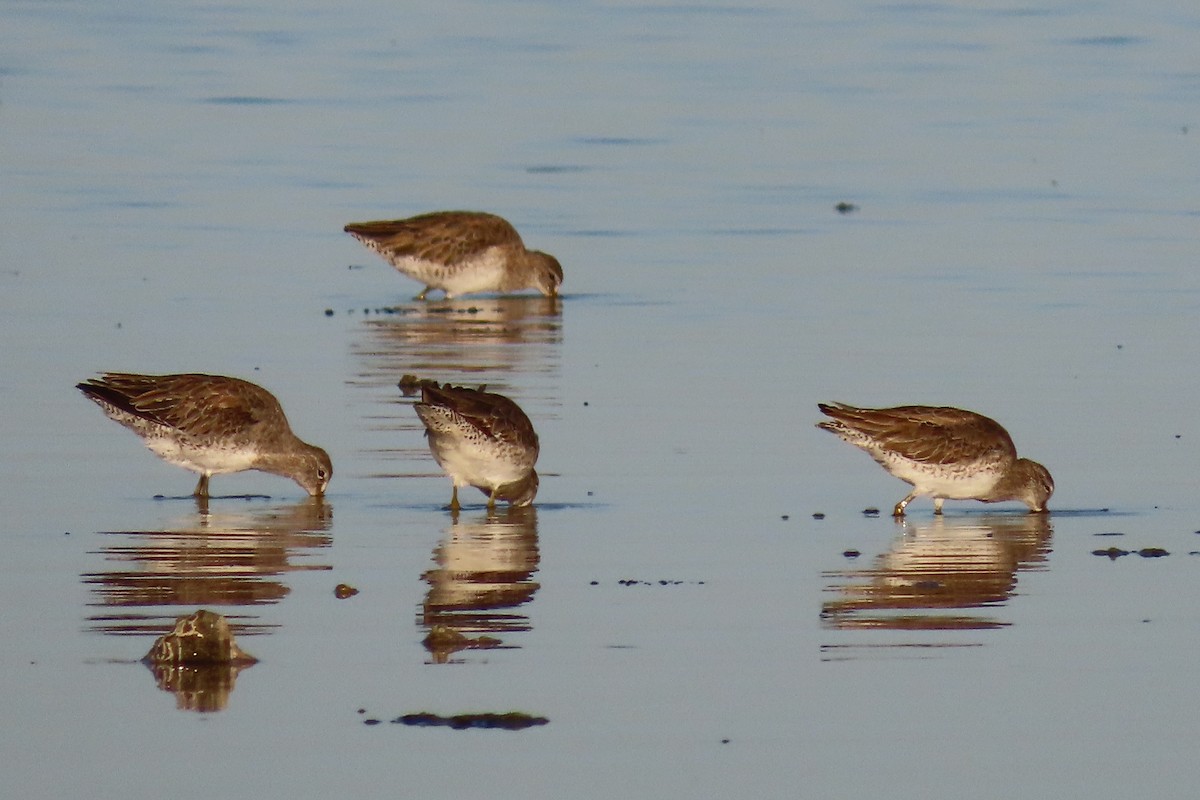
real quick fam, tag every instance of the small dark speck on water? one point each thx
(846, 208)
(1120, 347)
(66, 533)
(871, 512)
(1152, 552)
(593, 583)
(329, 312)
(362, 711)
(585, 402)
(819, 515)
(784, 517)
(1179, 436)
(724, 741)
(590, 494)
(370, 721)
(1109, 533)
(851, 553)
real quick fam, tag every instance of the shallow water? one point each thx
(174, 183)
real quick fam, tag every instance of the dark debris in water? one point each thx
(444, 637)
(509, 721)
(1113, 553)
(846, 208)
(344, 590)
(871, 512)
(410, 385)
(659, 582)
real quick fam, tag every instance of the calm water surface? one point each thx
(173, 184)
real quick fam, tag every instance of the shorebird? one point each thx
(460, 252)
(211, 425)
(481, 439)
(944, 453)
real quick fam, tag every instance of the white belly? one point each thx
(963, 482)
(482, 274)
(474, 466)
(206, 460)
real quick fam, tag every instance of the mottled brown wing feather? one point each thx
(447, 237)
(201, 406)
(494, 414)
(928, 434)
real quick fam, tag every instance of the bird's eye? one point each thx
(321, 473)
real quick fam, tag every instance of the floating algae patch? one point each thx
(510, 721)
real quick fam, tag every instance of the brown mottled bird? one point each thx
(944, 453)
(460, 252)
(481, 439)
(210, 424)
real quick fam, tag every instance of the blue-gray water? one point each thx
(173, 183)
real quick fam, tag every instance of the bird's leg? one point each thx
(201, 486)
(424, 292)
(937, 505)
(898, 511)
(454, 506)
(492, 501)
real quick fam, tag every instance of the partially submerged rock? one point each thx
(198, 661)
(198, 639)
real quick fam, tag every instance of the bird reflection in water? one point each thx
(224, 558)
(936, 572)
(484, 572)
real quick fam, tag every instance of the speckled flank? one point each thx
(460, 252)
(481, 439)
(211, 425)
(944, 453)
